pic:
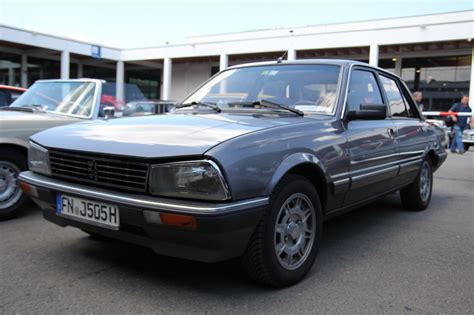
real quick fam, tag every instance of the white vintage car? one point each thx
(46, 104)
(468, 138)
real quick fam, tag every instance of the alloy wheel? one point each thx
(295, 231)
(10, 191)
(425, 181)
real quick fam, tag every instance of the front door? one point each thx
(372, 144)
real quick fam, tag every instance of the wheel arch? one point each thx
(305, 165)
(431, 154)
(15, 147)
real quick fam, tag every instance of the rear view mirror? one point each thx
(109, 111)
(368, 112)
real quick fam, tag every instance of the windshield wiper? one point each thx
(17, 109)
(210, 105)
(25, 108)
(270, 104)
(37, 106)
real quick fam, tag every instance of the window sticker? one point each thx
(272, 72)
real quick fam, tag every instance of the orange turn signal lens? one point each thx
(178, 220)
(25, 187)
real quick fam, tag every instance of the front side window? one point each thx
(309, 88)
(363, 89)
(395, 98)
(71, 98)
(14, 95)
(4, 98)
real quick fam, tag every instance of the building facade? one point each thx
(432, 53)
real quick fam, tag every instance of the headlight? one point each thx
(38, 159)
(193, 180)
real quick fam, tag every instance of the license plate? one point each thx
(88, 211)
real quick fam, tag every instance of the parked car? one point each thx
(46, 104)
(8, 94)
(149, 107)
(441, 124)
(132, 93)
(281, 147)
(468, 138)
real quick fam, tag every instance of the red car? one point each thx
(9, 93)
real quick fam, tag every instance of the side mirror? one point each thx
(368, 112)
(109, 111)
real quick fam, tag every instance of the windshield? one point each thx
(72, 98)
(308, 88)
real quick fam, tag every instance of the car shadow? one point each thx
(143, 264)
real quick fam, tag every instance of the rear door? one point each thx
(372, 145)
(411, 129)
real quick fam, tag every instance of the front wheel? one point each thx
(285, 243)
(417, 195)
(466, 147)
(12, 197)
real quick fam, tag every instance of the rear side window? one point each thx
(363, 89)
(396, 101)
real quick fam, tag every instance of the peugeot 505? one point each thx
(249, 165)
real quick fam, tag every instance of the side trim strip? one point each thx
(408, 167)
(341, 186)
(374, 173)
(141, 201)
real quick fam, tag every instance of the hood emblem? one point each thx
(92, 169)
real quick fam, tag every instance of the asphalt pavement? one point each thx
(379, 259)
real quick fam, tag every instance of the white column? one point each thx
(24, 71)
(64, 64)
(223, 62)
(11, 76)
(80, 70)
(119, 81)
(166, 92)
(398, 66)
(471, 84)
(374, 55)
(291, 54)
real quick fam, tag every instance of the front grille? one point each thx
(99, 171)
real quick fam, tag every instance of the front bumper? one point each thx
(223, 230)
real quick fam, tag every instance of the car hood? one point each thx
(21, 125)
(158, 136)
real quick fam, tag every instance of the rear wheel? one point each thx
(417, 195)
(285, 243)
(12, 197)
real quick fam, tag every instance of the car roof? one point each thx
(339, 62)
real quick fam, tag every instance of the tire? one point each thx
(12, 198)
(466, 147)
(261, 261)
(417, 195)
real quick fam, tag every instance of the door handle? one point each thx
(391, 132)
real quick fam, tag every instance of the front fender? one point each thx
(291, 162)
(14, 142)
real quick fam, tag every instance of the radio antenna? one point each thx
(280, 59)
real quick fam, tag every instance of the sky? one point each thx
(148, 23)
